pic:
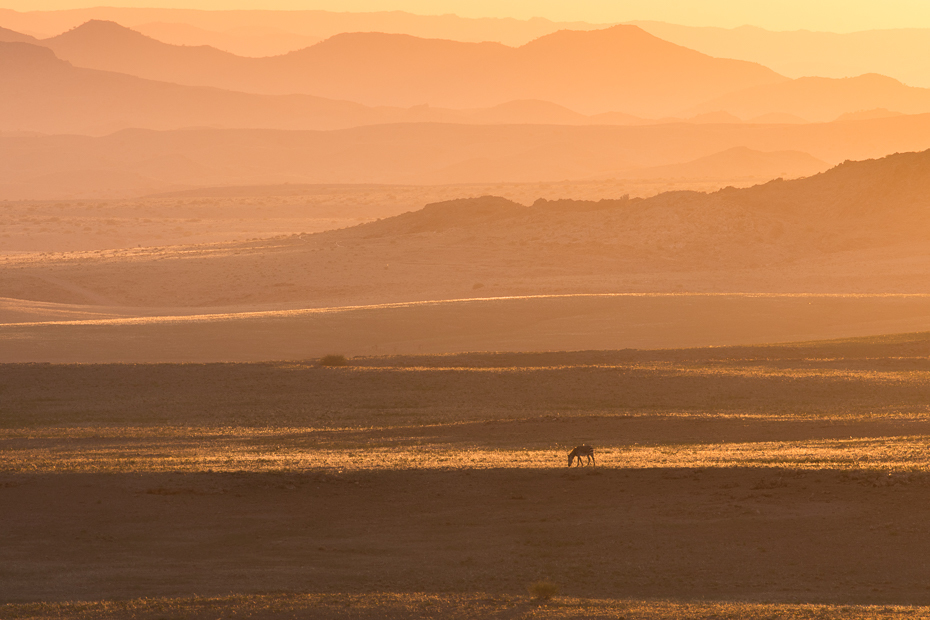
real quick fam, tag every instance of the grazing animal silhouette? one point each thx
(579, 452)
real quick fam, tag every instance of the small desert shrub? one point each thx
(543, 590)
(333, 360)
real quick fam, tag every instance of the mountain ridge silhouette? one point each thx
(618, 69)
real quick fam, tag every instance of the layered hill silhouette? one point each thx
(53, 96)
(420, 153)
(902, 53)
(738, 162)
(11, 36)
(823, 99)
(107, 46)
(861, 226)
(248, 40)
(618, 69)
(854, 206)
(252, 24)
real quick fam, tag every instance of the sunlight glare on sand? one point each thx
(192, 450)
(295, 313)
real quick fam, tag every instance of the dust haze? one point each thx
(302, 311)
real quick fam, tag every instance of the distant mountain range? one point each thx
(53, 96)
(522, 105)
(252, 41)
(250, 25)
(902, 53)
(736, 163)
(133, 162)
(619, 69)
(860, 227)
(11, 36)
(46, 94)
(822, 99)
(872, 203)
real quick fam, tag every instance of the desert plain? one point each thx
(765, 481)
(172, 447)
(301, 313)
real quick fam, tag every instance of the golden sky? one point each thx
(831, 15)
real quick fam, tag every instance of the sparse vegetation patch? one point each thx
(543, 590)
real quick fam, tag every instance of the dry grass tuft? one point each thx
(333, 360)
(388, 605)
(543, 590)
(884, 459)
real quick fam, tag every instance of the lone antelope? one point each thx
(582, 451)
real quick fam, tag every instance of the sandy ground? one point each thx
(721, 534)
(580, 253)
(213, 215)
(428, 605)
(69, 333)
(680, 269)
(882, 378)
(82, 225)
(730, 483)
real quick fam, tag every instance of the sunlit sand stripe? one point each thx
(454, 605)
(911, 453)
(295, 313)
(395, 433)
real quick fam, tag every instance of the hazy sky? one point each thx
(834, 15)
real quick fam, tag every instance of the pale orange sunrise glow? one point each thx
(440, 309)
(827, 15)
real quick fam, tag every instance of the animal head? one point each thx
(572, 455)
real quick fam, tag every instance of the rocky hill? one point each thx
(860, 227)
